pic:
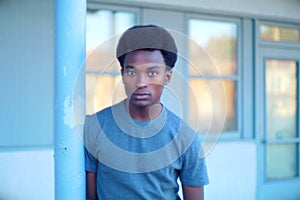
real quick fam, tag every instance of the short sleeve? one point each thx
(194, 171)
(90, 161)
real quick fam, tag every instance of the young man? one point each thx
(137, 149)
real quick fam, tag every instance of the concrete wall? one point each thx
(232, 171)
(27, 73)
(27, 175)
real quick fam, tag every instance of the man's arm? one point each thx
(193, 193)
(91, 188)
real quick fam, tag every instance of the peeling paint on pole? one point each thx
(74, 112)
(69, 99)
(69, 114)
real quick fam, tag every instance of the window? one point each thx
(213, 75)
(103, 81)
(278, 33)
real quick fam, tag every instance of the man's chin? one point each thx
(141, 105)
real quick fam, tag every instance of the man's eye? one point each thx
(153, 73)
(131, 73)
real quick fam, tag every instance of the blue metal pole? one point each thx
(69, 99)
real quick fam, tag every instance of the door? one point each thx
(277, 123)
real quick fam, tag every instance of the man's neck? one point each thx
(144, 113)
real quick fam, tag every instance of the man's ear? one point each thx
(168, 77)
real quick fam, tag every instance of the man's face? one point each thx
(144, 75)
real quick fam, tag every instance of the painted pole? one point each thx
(69, 99)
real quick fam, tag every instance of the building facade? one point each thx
(235, 82)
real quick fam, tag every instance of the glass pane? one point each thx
(282, 161)
(103, 91)
(104, 85)
(277, 33)
(216, 103)
(281, 99)
(219, 40)
(124, 20)
(98, 27)
(102, 31)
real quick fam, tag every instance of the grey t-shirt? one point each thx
(142, 160)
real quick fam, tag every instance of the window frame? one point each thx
(237, 78)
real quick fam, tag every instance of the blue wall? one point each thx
(27, 73)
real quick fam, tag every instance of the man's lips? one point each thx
(140, 95)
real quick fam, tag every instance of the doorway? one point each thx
(277, 123)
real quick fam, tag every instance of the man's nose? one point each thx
(141, 81)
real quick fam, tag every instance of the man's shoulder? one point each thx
(107, 114)
(104, 111)
(172, 116)
(177, 120)
(98, 116)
